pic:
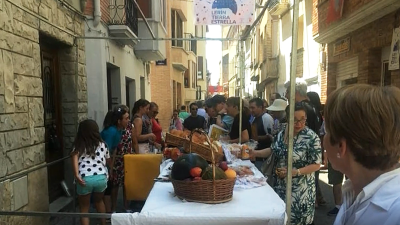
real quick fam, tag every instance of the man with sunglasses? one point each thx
(194, 121)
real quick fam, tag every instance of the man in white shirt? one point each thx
(261, 127)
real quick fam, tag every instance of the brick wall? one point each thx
(89, 8)
(366, 43)
(349, 7)
(315, 17)
(324, 81)
(104, 7)
(105, 10)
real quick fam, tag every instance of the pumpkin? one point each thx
(181, 168)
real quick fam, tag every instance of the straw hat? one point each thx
(278, 105)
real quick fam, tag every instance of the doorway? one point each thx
(109, 95)
(142, 89)
(174, 95)
(130, 91)
(386, 78)
(52, 121)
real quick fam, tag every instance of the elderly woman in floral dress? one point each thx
(306, 160)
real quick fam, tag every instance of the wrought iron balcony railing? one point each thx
(124, 12)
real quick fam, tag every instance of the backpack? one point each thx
(268, 169)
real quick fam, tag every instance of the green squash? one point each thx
(207, 174)
(182, 166)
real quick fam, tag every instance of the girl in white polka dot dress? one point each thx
(89, 159)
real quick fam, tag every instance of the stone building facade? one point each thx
(358, 43)
(42, 95)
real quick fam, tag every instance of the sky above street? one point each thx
(214, 52)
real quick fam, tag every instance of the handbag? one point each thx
(268, 168)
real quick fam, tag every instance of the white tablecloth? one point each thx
(258, 206)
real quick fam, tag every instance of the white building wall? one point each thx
(311, 49)
(102, 52)
(96, 70)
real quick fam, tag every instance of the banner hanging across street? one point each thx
(224, 12)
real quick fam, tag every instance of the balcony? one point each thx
(156, 15)
(151, 50)
(179, 58)
(269, 72)
(190, 45)
(190, 94)
(278, 7)
(353, 20)
(123, 21)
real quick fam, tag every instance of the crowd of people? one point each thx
(357, 143)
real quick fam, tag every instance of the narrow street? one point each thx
(320, 213)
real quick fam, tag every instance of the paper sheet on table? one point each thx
(251, 181)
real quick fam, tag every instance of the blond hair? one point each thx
(368, 118)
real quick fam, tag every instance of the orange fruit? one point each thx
(230, 173)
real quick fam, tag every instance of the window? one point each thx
(176, 28)
(200, 71)
(386, 78)
(349, 81)
(145, 6)
(187, 76)
(163, 11)
(225, 45)
(198, 93)
(194, 69)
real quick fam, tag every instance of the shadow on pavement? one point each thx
(321, 217)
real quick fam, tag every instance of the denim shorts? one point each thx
(95, 183)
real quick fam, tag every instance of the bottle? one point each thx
(245, 152)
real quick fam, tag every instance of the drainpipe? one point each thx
(96, 13)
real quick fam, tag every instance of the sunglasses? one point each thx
(194, 109)
(155, 112)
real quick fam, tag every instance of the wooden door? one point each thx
(52, 122)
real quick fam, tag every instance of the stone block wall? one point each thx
(23, 23)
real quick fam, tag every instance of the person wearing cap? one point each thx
(277, 111)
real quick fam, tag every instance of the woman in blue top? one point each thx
(114, 123)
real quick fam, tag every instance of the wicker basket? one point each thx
(202, 150)
(174, 140)
(205, 191)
